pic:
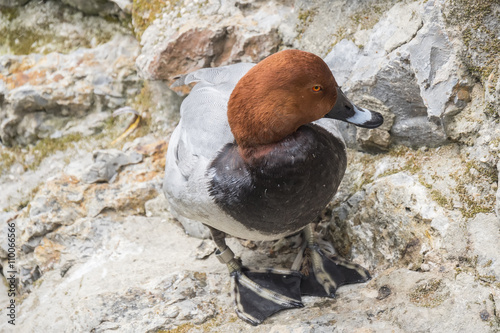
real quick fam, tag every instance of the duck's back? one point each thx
(203, 128)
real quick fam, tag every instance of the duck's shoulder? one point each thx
(230, 74)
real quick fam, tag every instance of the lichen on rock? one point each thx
(45, 28)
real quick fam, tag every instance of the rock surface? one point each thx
(12, 3)
(184, 38)
(95, 7)
(42, 94)
(49, 93)
(96, 246)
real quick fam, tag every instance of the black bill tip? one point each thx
(346, 111)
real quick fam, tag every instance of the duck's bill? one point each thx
(346, 111)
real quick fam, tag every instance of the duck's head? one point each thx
(286, 90)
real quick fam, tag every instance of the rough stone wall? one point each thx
(97, 249)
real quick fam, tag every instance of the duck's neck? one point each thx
(258, 155)
(252, 155)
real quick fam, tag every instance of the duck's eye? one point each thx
(317, 88)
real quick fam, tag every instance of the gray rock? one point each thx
(107, 163)
(170, 289)
(193, 228)
(41, 93)
(183, 39)
(367, 229)
(418, 56)
(95, 7)
(492, 92)
(62, 85)
(157, 207)
(13, 3)
(51, 26)
(497, 205)
(484, 232)
(378, 139)
(125, 5)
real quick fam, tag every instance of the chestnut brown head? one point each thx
(278, 95)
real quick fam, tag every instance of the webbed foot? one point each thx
(260, 294)
(323, 273)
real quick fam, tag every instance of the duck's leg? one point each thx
(323, 272)
(258, 293)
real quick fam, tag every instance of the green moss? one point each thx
(367, 17)
(427, 295)
(23, 41)
(108, 130)
(411, 167)
(487, 278)
(10, 13)
(496, 315)
(340, 34)
(490, 174)
(210, 325)
(48, 146)
(37, 283)
(440, 199)
(144, 12)
(142, 102)
(399, 151)
(20, 37)
(482, 44)
(423, 182)
(473, 205)
(491, 110)
(488, 263)
(7, 158)
(305, 16)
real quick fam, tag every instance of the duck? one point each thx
(258, 155)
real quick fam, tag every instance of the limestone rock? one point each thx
(182, 40)
(193, 228)
(107, 163)
(484, 230)
(125, 5)
(492, 92)
(41, 92)
(95, 7)
(13, 3)
(157, 207)
(69, 196)
(497, 205)
(425, 96)
(377, 226)
(51, 26)
(477, 24)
